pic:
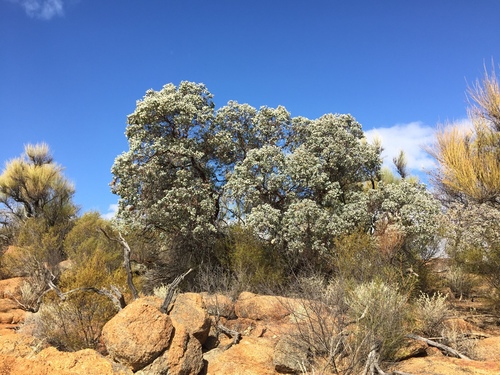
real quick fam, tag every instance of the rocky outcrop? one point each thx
(144, 341)
(488, 349)
(256, 307)
(219, 305)
(51, 361)
(291, 356)
(143, 338)
(22, 354)
(441, 365)
(184, 356)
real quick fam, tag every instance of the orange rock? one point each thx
(14, 316)
(10, 288)
(242, 325)
(51, 361)
(252, 356)
(255, 307)
(189, 311)
(184, 357)
(291, 355)
(18, 345)
(138, 334)
(7, 304)
(460, 325)
(219, 305)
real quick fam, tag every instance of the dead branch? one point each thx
(438, 345)
(231, 333)
(126, 261)
(372, 366)
(372, 362)
(171, 291)
(114, 295)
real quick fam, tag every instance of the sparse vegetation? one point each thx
(431, 312)
(255, 200)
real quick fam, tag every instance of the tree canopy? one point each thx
(469, 159)
(191, 171)
(34, 186)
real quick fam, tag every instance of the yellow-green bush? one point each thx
(95, 265)
(382, 314)
(255, 266)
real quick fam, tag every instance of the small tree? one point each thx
(295, 184)
(34, 186)
(468, 182)
(469, 160)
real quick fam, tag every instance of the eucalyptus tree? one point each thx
(167, 180)
(192, 171)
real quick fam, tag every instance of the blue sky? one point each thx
(72, 70)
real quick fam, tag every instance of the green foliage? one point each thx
(75, 323)
(34, 186)
(431, 312)
(190, 169)
(342, 322)
(361, 258)
(296, 184)
(410, 209)
(166, 181)
(469, 160)
(382, 314)
(474, 239)
(95, 262)
(87, 237)
(38, 251)
(468, 182)
(461, 282)
(255, 266)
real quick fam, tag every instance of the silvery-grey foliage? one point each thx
(297, 183)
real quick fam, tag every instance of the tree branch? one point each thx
(444, 348)
(231, 333)
(171, 290)
(126, 261)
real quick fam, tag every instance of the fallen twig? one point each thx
(443, 347)
(231, 333)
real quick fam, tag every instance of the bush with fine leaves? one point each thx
(382, 314)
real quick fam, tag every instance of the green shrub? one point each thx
(382, 315)
(75, 323)
(255, 265)
(431, 312)
(461, 282)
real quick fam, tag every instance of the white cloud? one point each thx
(42, 9)
(112, 210)
(412, 138)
